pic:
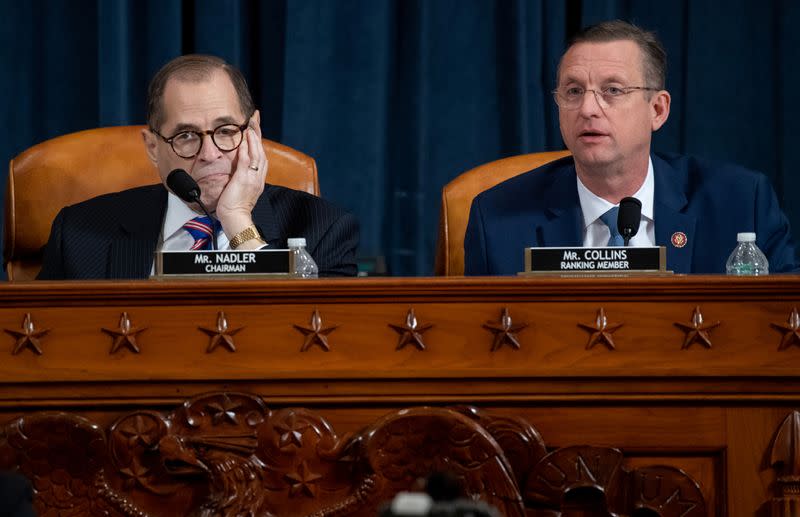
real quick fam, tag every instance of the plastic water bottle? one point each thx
(747, 259)
(304, 265)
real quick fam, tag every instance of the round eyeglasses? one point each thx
(572, 97)
(187, 144)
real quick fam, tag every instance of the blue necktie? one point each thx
(610, 220)
(201, 228)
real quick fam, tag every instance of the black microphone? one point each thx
(628, 218)
(186, 188)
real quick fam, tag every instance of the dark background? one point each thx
(396, 97)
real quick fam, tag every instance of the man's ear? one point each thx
(150, 144)
(660, 104)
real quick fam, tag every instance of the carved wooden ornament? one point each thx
(124, 335)
(316, 334)
(220, 335)
(411, 332)
(784, 458)
(505, 331)
(790, 329)
(227, 454)
(601, 331)
(28, 337)
(697, 330)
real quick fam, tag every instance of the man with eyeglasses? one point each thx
(611, 98)
(201, 118)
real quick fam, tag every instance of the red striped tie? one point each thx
(200, 228)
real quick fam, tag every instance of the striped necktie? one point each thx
(201, 228)
(610, 220)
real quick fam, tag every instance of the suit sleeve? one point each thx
(474, 243)
(335, 253)
(53, 261)
(772, 230)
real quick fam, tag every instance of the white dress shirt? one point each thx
(595, 231)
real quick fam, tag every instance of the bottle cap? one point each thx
(746, 237)
(296, 242)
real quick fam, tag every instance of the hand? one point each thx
(246, 184)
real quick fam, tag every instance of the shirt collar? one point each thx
(594, 206)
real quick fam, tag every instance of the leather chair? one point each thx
(78, 166)
(457, 199)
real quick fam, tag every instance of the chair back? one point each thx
(79, 166)
(457, 199)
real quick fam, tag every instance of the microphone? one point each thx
(186, 188)
(628, 218)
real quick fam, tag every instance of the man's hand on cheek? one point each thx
(245, 186)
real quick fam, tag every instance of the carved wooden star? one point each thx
(135, 473)
(411, 332)
(791, 330)
(290, 432)
(315, 334)
(601, 331)
(139, 431)
(225, 410)
(302, 481)
(28, 338)
(220, 335)
(124, 336)
(504, 331)
(697, 330)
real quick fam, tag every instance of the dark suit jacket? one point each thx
(709, 202)
(115, 235)
(16, 496)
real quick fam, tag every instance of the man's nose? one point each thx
(209, 150)
(591, 103)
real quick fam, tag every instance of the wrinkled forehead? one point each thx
(201, 101)
(599, 62)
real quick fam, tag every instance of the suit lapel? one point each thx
(265, 219)
(131, 252)
(672, 226)
(564, 219)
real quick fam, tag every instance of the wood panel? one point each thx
(696, 374)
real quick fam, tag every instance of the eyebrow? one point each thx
(219, 121)
(611, 79)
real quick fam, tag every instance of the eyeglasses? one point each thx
(571, 98)
(187, 144)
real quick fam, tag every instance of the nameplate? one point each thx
(226, 263)
(596, 260)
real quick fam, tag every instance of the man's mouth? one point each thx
(211, 176)
(591, 135)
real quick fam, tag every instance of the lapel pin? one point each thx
(679, 239)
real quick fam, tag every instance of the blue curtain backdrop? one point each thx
(396, 97)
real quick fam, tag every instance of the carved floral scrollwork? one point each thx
(228, 454)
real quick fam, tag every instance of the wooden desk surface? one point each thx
(693, 372)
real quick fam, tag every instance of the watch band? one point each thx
(249, 233)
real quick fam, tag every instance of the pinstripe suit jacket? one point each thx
(114, 236)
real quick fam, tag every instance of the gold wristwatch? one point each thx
(248, 234)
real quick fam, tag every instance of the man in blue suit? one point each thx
(611, 98)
